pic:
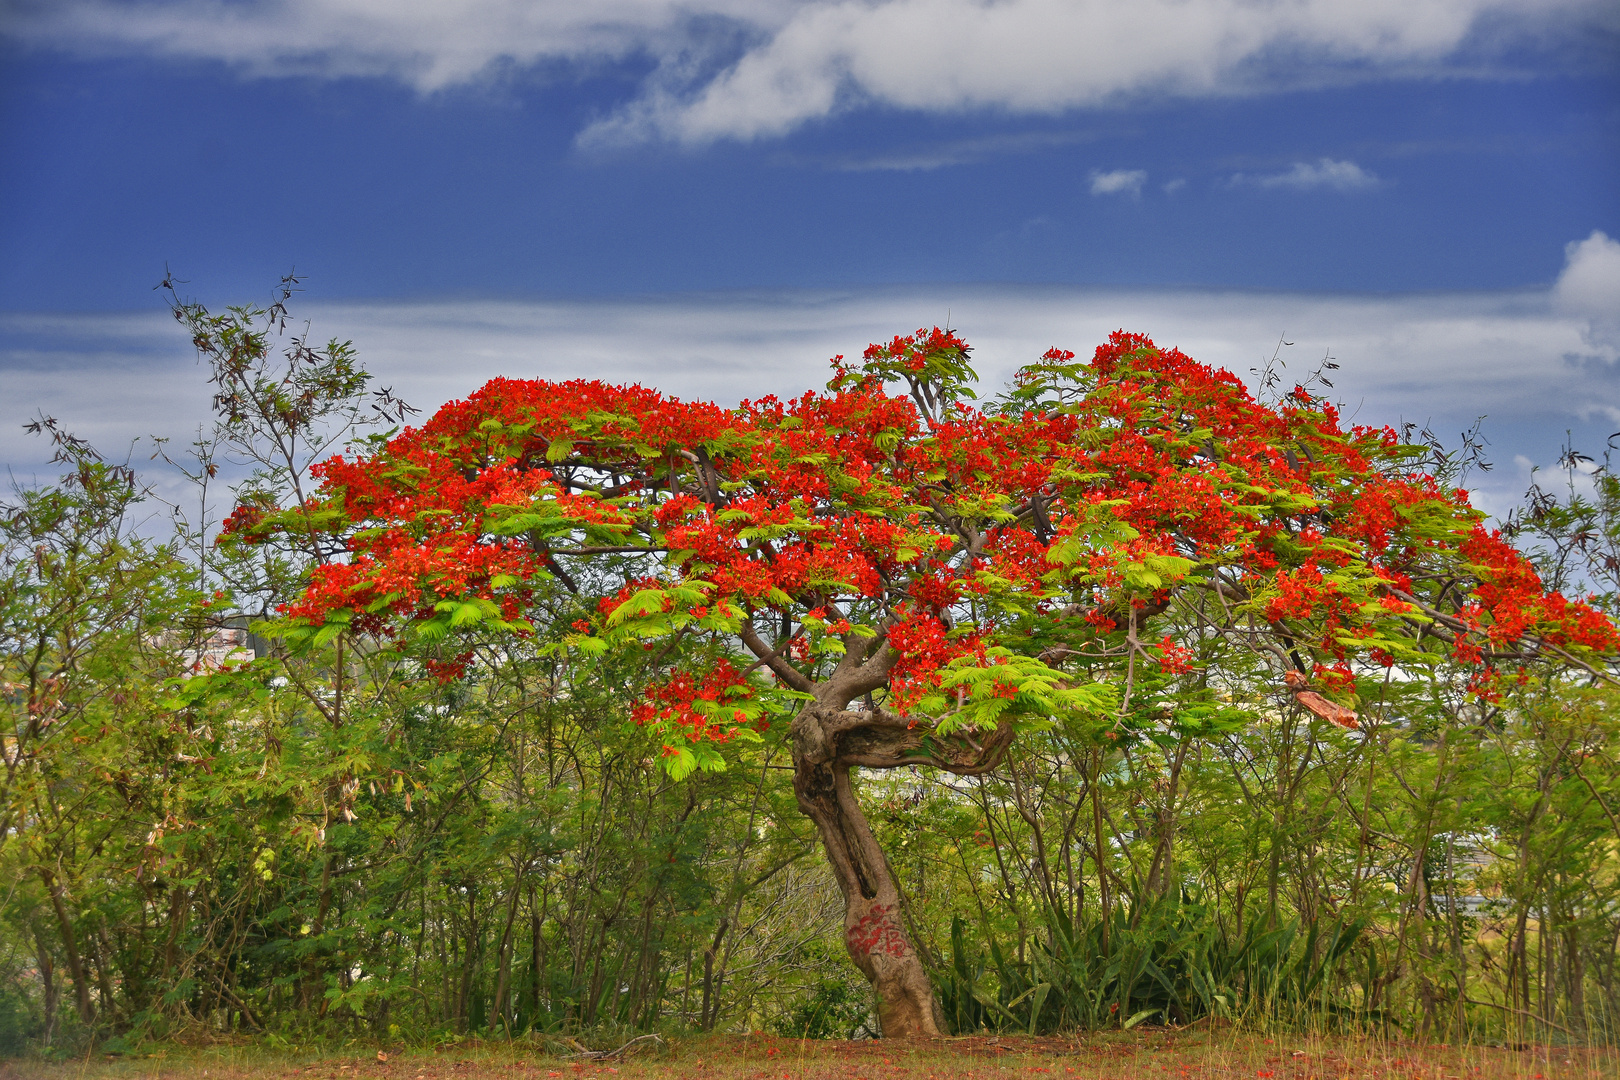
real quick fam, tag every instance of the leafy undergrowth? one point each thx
(1145, 1056)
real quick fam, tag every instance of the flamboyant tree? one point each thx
(905, 578)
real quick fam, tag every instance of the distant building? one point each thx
(220, 646)
(227, 645)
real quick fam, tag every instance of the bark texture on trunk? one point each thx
(874, 933)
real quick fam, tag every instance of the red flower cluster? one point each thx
(711, 706)
(1089, 489)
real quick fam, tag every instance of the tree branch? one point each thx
(872, 674)
(885, 740)
(767, 655)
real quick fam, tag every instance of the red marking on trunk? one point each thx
(878, 932)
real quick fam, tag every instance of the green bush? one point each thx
(836, 1010)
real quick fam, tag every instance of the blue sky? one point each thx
(468, 167)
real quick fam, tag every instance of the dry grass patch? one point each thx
(1153, 1055)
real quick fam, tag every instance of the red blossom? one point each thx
(934, 523)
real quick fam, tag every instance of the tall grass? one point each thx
(1169, 960)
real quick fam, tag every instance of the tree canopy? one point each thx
(889, 574)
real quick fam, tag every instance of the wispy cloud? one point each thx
(1119, 181)
(926, 157)
(427, 44)
(746, 69)
(1324, 173)
(1526, 359)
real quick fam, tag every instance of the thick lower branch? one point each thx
(884, 745)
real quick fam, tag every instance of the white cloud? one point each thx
(1173, 186)
(1590, 283)
(752, 68)
(1307, 175)
(1128, 181)
(1045, 56)
(1444, 359)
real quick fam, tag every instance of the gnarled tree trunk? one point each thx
(830, 739)
(873, 931)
